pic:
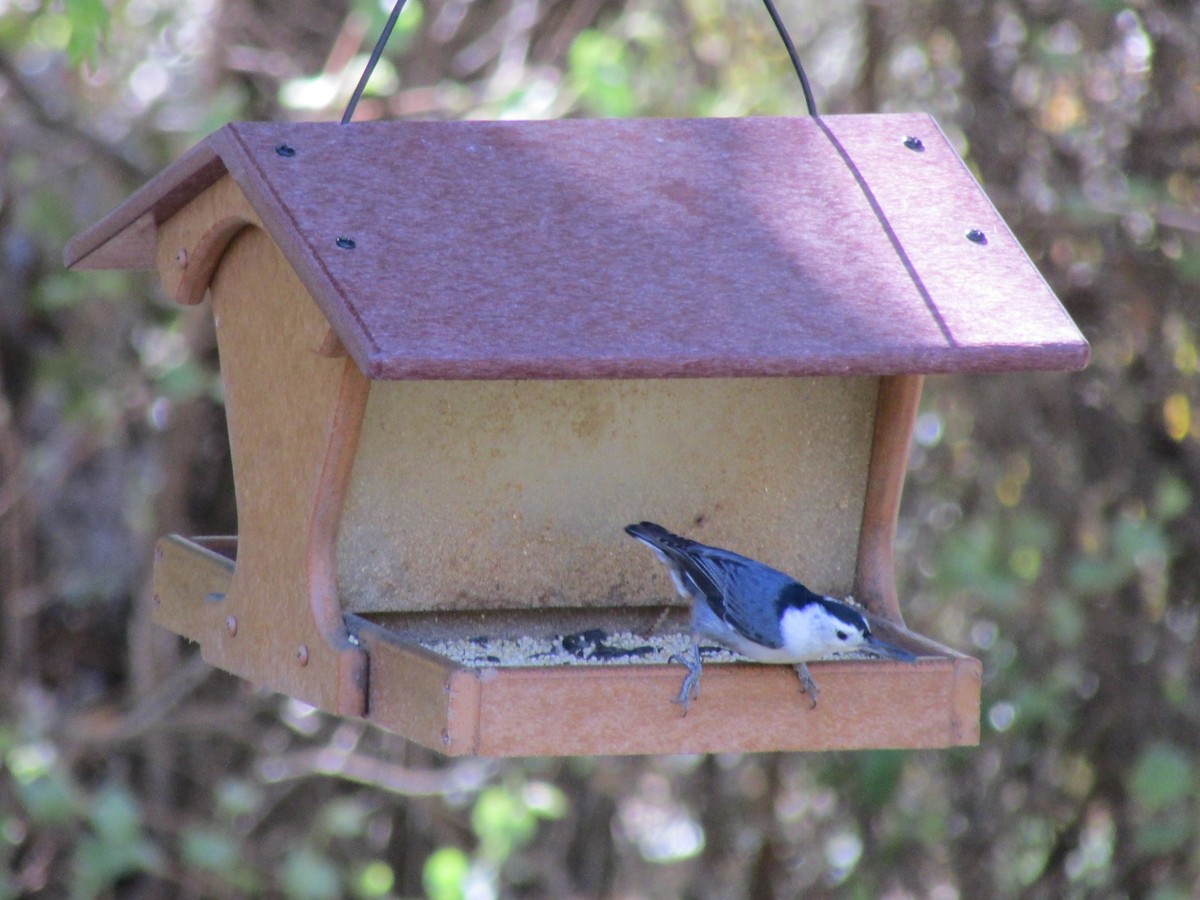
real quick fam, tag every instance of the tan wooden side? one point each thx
(190, 584)
(293, 418)
(425, 697)
(875, 579)
(192, 243)
(741, 708)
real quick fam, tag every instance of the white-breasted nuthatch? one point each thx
(756, 611)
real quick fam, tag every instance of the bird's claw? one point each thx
(807, 685)
(690, 689)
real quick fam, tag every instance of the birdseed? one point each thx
(593, 647)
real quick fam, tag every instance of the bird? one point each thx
(759, 612)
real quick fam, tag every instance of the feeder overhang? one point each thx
(641, 248)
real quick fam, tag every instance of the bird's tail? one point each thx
(659, 538)
(682, 560)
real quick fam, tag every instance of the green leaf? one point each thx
(49, 800)
(115, 815)
(308, 874)
(445, 874)
(975, 560)
(1095, 575)
(375, 879)
(1138, 539)
(186, 381)
(1171, 892)
(344, 818)
(238, 797)
(407, 24)
(89, 26)
(1066, 621)
(1172, 498)
(117, 849)
(544, 800)
(93, 867)
(1161, 837)
(208, 849)
(1161, 777)
(502, 822)
(879, 775)
(600, 72)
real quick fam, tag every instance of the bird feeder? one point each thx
(458, 357)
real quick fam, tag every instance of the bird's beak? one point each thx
(890, 651)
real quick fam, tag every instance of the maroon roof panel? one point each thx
(638, 248)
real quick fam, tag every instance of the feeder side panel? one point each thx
(282, 397)
(875, 580)
(486, 495)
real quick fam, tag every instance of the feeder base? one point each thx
(575, 709)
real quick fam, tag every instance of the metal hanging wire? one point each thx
(372, 62)
(809, 100)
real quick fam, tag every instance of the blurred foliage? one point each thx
(1050, 525)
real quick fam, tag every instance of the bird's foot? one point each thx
(690, 690)
(807, 685)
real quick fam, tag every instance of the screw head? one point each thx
(231, 625)
(287, 151)
(346, 243)
(302, 654)
(912, 142)
(975, 236)
(181, 258)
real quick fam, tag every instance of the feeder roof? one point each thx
(629, 248)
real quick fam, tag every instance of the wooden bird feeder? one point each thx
(459, 357)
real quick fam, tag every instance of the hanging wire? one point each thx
(372, 62)
(809, 100)
(791, 49)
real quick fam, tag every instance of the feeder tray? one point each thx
(458, 357)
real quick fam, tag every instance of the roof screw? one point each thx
(181, 258)
(302, 654)
(445, 737)
(231, 626)
(975, 236)
(287, 151)
(346, 243)
(914, 143)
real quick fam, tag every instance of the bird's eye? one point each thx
(842, 635)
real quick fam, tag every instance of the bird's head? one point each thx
(823, 625)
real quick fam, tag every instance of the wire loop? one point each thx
(809, 100)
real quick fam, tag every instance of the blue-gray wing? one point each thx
(744, 593)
